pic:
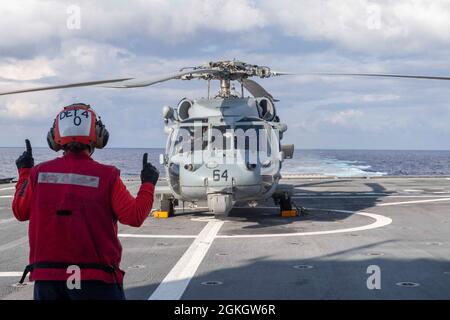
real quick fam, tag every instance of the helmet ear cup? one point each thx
(51, 140)
(105, 137)
(102, 135)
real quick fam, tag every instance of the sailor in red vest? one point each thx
(73, 204)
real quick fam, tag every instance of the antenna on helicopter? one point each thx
(209, 87)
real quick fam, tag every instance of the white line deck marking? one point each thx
(6, 196)
(10, 274)
(411, 202)
(126, 235)
(380, 221)
(177, 280)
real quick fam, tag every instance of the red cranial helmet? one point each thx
(77, 123)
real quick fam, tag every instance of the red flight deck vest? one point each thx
(72, 221)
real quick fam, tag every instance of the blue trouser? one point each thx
(90, 290)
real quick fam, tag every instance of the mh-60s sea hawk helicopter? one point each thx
(226, 149)
(220, 149)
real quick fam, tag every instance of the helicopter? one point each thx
(225, 148)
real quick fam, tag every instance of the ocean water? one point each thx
(129, 161)
(351, 163)
(340, 163)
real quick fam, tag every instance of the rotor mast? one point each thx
(225, 88)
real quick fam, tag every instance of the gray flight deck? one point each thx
(399, 226)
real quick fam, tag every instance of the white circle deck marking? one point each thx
(380, 221)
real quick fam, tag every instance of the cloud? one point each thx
(32, 69)
(38, 22)
(34, 109)
(145, 38)
(365, 25)
(380, 97)
(360, 25)
(344, 117)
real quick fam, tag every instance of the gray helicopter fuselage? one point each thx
(210, 153)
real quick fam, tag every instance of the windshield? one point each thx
(241, 140)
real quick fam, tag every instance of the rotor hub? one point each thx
(230, 70)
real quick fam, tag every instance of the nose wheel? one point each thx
(220, 204)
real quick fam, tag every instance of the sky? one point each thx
(55, 41)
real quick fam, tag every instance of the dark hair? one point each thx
(76, 147)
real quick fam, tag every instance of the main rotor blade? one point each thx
(158, 79)
(281, 73)
(384, 75)
(70, 85)
(124, 82)
(256, 89)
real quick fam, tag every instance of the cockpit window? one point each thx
(243, 138)
(188, 138)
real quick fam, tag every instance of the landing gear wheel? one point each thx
(168, 205)
(285, 202)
